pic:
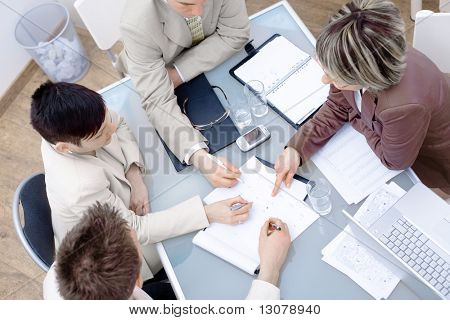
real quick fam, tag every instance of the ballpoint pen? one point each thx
(270, 165)
(236, 206)
(220, 164)
(274, 226)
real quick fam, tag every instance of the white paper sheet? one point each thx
(292, 79)
(369, 270)
(272, 63)
(378, 203)
(256, 186)
(351, 166)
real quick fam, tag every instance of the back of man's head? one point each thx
(66, 112)
(98, 259)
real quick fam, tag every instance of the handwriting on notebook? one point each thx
(239, 244)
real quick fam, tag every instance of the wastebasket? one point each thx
(49, 36)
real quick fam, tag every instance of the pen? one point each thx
(270, 165)
(274, 226)
(220, 164)
(236, 206)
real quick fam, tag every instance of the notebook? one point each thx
(204, 107)
(291, 77)
(238, 244)
(351, 166)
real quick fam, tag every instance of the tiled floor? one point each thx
(20, 157)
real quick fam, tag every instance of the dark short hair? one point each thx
(98, 259)
(66, 112)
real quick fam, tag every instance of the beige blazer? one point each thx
(155, 36)
(74, 182)
(260, 290)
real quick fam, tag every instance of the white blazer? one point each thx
(74, 182)
(260, 290)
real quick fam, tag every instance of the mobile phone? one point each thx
(253, 138)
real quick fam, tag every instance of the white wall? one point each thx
(13, 58)
(73, 13)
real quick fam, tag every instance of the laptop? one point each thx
(415, 233)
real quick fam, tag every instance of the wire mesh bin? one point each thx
(49, 36)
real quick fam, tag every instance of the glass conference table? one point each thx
(197, 274)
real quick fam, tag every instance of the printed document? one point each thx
(238, 244)
(351, 166)
(364, 266)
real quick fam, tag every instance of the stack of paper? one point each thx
(363, 265)
(351, 166)
(238, 244)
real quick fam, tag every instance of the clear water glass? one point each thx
(242, 117)
(319, 192)
(256, 98)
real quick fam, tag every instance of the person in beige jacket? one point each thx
(168, 42)
(90, 156)
(99, 260)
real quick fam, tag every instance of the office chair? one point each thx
(102, 19)
(416, 6)
(431, 37)
(36, 235)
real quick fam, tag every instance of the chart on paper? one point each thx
(351, 166)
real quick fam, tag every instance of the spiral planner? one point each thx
(291, 77)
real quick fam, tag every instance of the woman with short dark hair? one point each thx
(392, 94)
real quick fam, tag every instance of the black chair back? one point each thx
(38, 228)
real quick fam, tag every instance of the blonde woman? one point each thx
(391, 93)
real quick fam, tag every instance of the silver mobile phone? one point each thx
(253, 138)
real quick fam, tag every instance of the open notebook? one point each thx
(238, 244)
(351, 166)
(291, 77)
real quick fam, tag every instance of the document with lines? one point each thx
(238, 244)
(351, 166)
(291, 77)
(361, 264)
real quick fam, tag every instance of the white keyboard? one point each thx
(408, 243)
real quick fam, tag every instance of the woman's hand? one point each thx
(273, 249)
(221, 211)
(285, 167)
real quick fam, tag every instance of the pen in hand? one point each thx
(220, 164)
(274, 226)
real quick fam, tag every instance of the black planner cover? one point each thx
(204, 107)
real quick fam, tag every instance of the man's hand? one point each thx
(215, 173)
(139, 194)
(174, 76)
(285, 167)
(221, 211)
(273, 249)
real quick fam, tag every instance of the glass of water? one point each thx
(241, 116)
(319, 192)
(256, 98)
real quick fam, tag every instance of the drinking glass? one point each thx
(319, 192)
(256, 98)
(241, 116)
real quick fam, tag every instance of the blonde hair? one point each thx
(364, 44)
